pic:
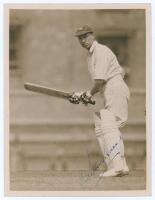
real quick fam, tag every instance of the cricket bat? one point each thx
(50, 91)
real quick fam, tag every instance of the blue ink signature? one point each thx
(93, 169)
(112, 149)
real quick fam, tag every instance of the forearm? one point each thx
(97, 87)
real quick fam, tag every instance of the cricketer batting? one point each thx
(107, 77)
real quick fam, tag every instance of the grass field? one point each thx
(75, 181)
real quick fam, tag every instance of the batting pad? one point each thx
(113, 143)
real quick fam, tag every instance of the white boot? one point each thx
(112, 173)
(116, 172)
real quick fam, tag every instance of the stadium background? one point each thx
(51, 134)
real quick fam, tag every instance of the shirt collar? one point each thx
(93, 47)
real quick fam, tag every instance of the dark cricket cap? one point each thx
(83, 30)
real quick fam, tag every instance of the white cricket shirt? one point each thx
(102, 62)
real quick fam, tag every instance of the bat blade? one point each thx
(46, 90)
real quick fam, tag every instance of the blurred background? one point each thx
(51, 134)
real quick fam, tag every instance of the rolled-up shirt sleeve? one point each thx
(101, 64)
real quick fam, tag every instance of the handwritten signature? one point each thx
(85, 176)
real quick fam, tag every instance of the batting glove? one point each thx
(86, 98)
(75, 98)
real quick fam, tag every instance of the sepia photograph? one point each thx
(78, 100)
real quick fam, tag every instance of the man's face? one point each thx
(86, 40)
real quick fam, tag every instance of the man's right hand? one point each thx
(75, 97)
